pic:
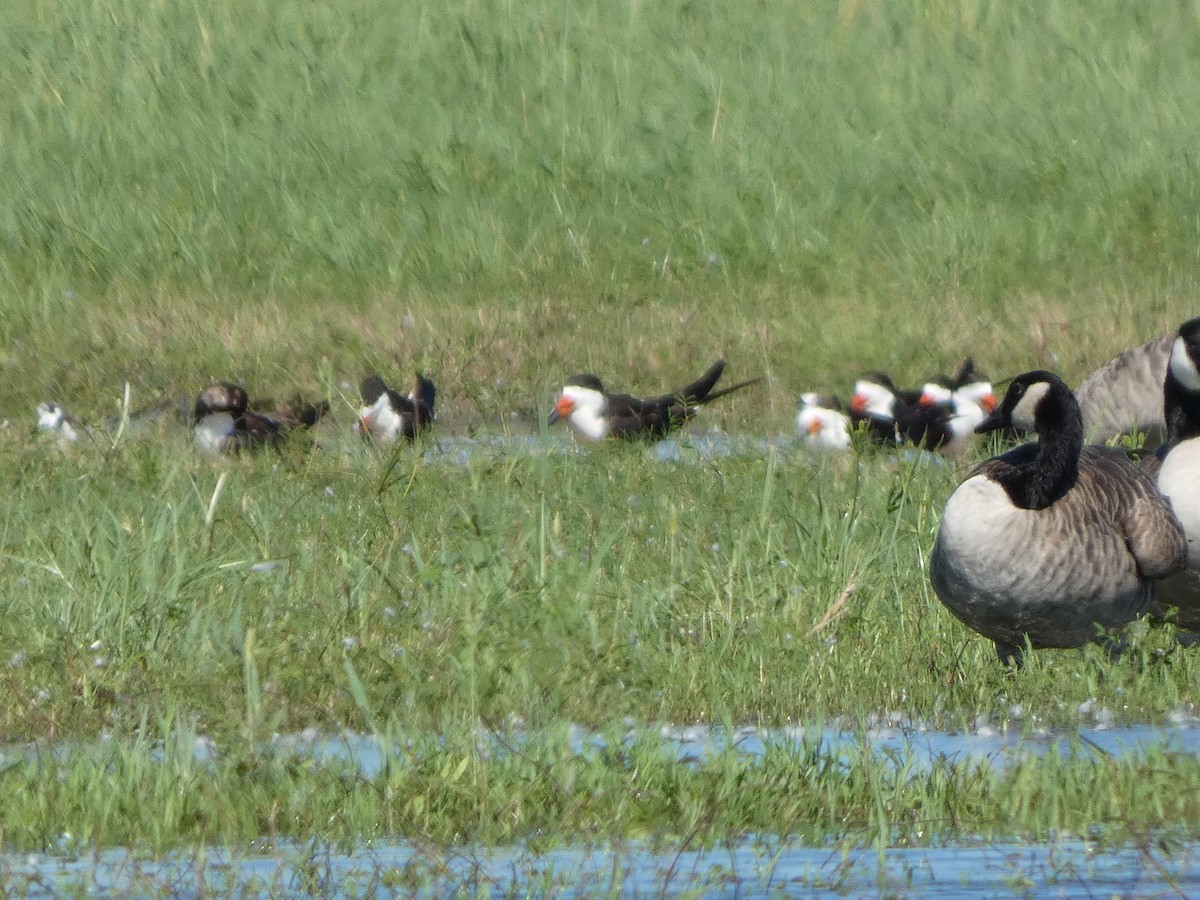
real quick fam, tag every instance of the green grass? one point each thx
(501, 195)
(156, 794)
(555, 587)
(420, 598)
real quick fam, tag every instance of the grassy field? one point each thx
(500, 195)
(510, 193)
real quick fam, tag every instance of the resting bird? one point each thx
(223, 423)
(1125, 394)
(1053, 541)
(593, 415)
(1176, 469)
(822, 427)
(387, 415)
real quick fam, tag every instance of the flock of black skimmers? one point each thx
(939, 416)
(1053, 544)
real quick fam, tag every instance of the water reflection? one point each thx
(750, 867)
(916, 747)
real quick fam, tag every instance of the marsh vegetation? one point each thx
(500, 195)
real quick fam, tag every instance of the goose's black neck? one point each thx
(1182, 410)
(1044, 472)
(1181, 404)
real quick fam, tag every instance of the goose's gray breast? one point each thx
(1053, 575)
(1179, 481)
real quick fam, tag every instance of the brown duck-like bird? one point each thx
(593, 415)
(223, 423)
(1052, 541)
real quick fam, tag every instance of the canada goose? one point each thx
(822, 427)
(223, 423)
(388, 415)
(593, 415)
(1052, 541)
(1177, 468)
(1126, 393)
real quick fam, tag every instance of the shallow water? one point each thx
(917, 747)
(748, 867)
(689, 447)
(752, 867)
(695, 447)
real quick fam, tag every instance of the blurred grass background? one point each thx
(503, 193)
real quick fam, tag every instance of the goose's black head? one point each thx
(1039, 474)
(1036, 401)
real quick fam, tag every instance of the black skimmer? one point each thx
(892, 417)
(965, 406)
(926, 418)
(54, 420)
(388, 415)
(820, 425)
(592, 414)
(223, 423)
(1054, 540)
(873, 407)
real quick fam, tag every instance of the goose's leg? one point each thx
(1010, 655)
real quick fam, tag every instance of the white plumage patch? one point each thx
(381, 421)
(1179, 482)
(1024, 413)
(874, 399)
(214, 432)
(1183, 367)
(52, 417)
(586, 418)
(822, 428)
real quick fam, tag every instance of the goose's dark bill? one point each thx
(593, 415)
(1053, 542)
(387, 415)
